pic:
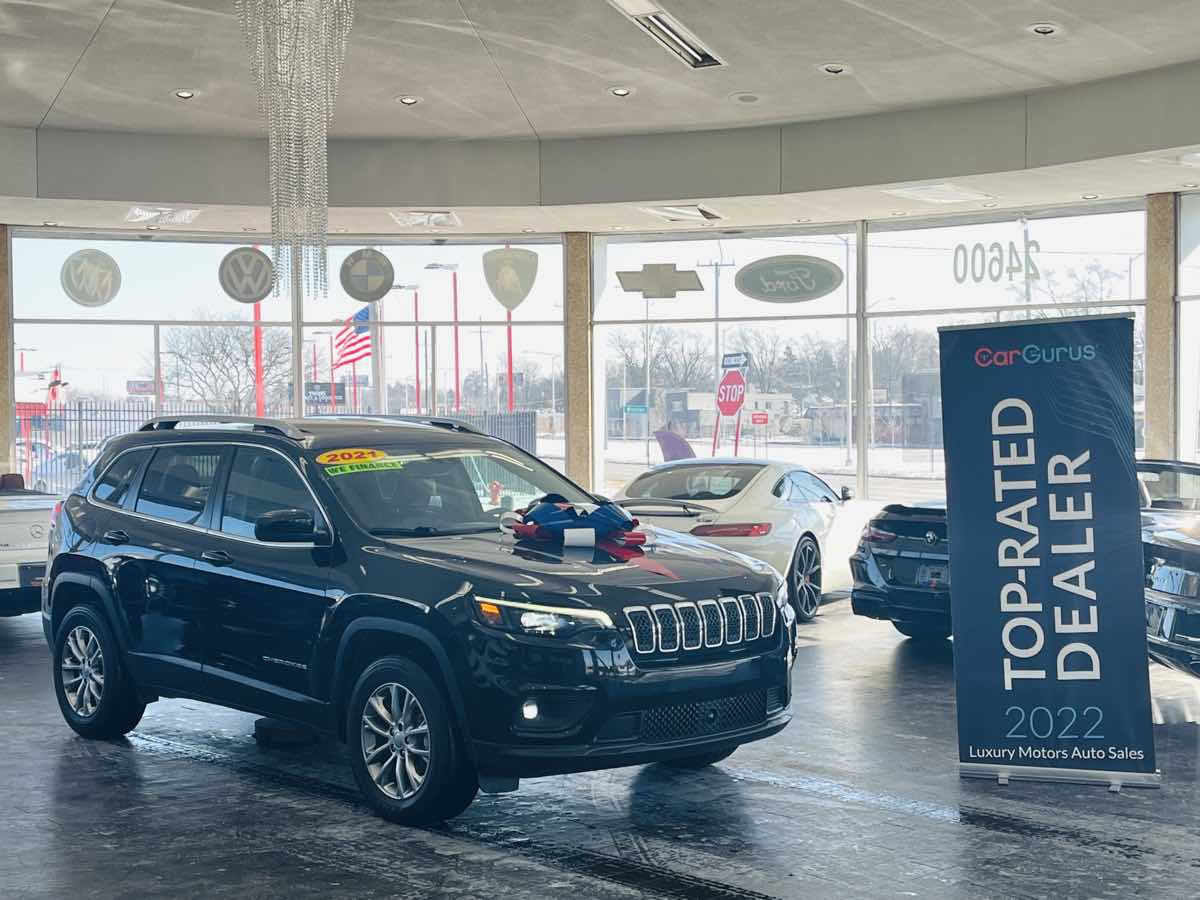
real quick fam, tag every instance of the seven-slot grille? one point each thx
(684, 626)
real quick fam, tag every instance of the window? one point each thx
(695, 482)
(1169, 487)
(260, 482)
(177, 483)
(114, 485)
(807, 488)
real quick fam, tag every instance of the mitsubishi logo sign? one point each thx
(246, 275)
(659, 281)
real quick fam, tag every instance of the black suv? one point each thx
(351, 575)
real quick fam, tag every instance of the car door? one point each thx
(150, 544)
(270, 598)
(815, 502)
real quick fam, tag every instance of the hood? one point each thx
(670, 566)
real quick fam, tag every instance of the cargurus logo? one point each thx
(1034, 354)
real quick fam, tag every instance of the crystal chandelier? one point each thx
(296, 52)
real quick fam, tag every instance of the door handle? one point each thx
(216, 557)
(116, 537)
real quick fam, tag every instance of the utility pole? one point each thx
(716, 265)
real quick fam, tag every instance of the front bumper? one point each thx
(1173, 631)
(597, 708)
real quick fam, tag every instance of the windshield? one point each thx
(1165, 487)
(397, 491)
(694, 482)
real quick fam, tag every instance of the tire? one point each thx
(430, 780)
(700, 761)
(804, 580)
(924, 631)
(107, 706)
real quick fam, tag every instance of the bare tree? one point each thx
(214, 365)
(766, 345)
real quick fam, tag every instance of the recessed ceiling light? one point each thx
(1091, 196)
(616, 227)
(1043, 29)
(834, 68)
(899, 214)
(528, 230)
(989, 204)
(185, 94)
(55, 224)
(1189, 185)
(249, 228)
(407, 99)
(620, 91)
(941, 193)
(802, 221)
(744, 97)
(152, 228)
(342, 230)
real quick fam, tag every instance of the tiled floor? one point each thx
(859, 797)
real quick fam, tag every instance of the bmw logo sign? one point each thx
(931, 538)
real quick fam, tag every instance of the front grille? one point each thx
(707, 717)
(688, 626)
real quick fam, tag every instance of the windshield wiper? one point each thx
(430, 531)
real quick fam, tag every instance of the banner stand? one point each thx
(1114, 780)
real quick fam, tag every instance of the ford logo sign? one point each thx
(789, 279)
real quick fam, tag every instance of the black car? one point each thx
(901, 570)
(351, 576)
(1171, 549)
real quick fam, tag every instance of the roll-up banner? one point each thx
(1045, 551)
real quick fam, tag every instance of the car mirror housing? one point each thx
(847, 493)
(285, 526)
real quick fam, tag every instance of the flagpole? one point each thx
(510, 363)
(457, 391)
(259, 389)
(417, 347)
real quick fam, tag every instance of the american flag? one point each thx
(353, 342)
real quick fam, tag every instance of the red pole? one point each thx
(354, 386)
(737, 432)
(510, 363)
(454, 287)
(417, 347)
(332, 386)
(716, 431)
(259, 393)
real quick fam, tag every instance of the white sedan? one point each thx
(777, 512)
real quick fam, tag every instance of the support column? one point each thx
(1162, 221)
(577, 356)
(8, 405)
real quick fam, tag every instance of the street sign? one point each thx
(140, 387)
(731, 393)
(740, 360)
(635, 409)
(758, 418)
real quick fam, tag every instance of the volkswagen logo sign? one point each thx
(246, 275)
(931, 538)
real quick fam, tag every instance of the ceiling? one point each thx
(544, 68)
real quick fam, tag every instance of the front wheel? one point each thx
(404, 749)
(701, 760)
(96, 696)
(924, 631)
(805, 579)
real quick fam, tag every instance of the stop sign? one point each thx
(731, 393)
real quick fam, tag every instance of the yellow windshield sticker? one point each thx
(371, 465)
(352, 454)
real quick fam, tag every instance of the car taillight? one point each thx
(877, 535)
(737, 529)
(57, 510)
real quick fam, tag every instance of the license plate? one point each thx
(1159, 620)
(933, 576)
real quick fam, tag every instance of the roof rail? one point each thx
(438, 422)
(267, 426)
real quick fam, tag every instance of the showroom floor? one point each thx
(857, 798)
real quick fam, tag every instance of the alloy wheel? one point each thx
(395, 741)
(808, 578)
(82, 671)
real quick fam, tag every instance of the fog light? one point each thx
(529, 709)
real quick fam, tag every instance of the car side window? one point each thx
(260, 482)
(114, 484)
(783, 489)
(807, 488)
(177, 483)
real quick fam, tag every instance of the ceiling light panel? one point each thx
(425, 218)
(939, 193)
(682, 213)
(161, 215)
(669, 32)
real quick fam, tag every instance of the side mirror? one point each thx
(847, 493)
(285, 526)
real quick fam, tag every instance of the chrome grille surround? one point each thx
(732, 611)
(667, 624)
(701, 624)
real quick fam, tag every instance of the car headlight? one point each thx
(532, 618)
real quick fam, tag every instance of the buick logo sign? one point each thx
(246, 275)
(90, 277)
(931, 538)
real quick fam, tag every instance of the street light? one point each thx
(452, 268)
(415, 288)
(23, 351)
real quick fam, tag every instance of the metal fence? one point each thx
(55, 445)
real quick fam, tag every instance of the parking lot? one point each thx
(859, 796)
